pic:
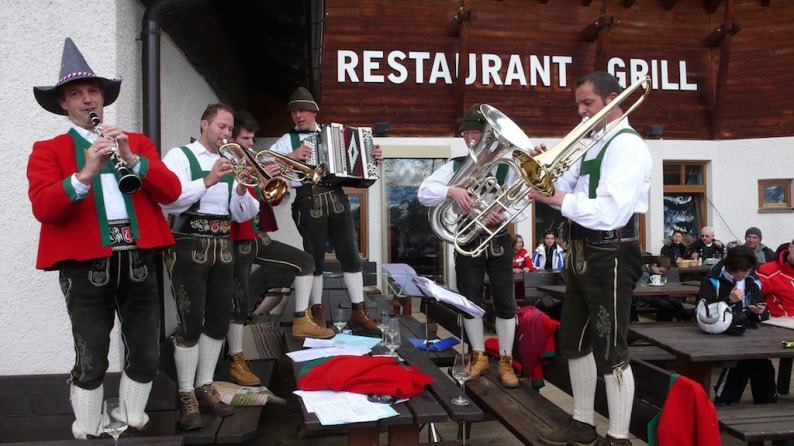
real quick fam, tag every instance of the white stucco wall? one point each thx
(34, 327)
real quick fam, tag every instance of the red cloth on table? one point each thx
(365, 375)
(688, 417)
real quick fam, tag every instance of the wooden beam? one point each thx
(591, 32)
(766, 2)
(722, 73)
(628, 3)
(586, 2)
(668, 4)
(714, 38)
(711, 5)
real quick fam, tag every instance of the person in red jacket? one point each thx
(103, 242)
(522, 259)
(777, 283)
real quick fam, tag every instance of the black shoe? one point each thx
(574, 433)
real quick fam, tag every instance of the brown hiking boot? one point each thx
(305, 327)
(240, 373)
(479, 364)
(360, 318)
(506, 373)
(574, 433)
(209, 401)
(318, 314)
(189, 416)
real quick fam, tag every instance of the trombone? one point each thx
(303, 173)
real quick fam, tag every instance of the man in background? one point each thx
(706, 247)
(752, 239)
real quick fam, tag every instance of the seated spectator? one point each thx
(675, 250)
(732, 281)
(707, 247)
(752, 239)
(549, 255)
(668, 307)
(777, 283)
(522, 261)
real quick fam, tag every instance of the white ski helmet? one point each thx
(713, 318)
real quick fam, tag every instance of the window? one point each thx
(684, 197)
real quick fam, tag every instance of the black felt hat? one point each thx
(74, 67)
(302, 99)
(473, 120)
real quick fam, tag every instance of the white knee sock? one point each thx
(317, 292)
(235, 338)
(135, 396)
(620, 399)
(209, 349)
(186, 359)
(354, 282)
(474, 330)
(303, 291)
(506, 334)
(584, 375)
(87, 406)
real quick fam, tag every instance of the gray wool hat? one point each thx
(754, 231)
(302, 99)
(74, 67)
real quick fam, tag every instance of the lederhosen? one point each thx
(95, 290)
(322, 214)
(201, 268)
(496, 261)
(600, 274)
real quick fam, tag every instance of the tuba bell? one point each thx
(536, 172)
(272, 188)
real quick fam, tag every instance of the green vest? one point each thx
(196, 173)
(593, 167)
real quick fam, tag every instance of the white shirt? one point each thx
(622, 189)
(213, 200)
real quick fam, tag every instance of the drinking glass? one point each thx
(461, 371)
(393, 336)
(340, 320)
(114, 417)
(383, 323)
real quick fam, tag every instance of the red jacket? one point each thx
(688, 417)
(70, 227)
(777, 285)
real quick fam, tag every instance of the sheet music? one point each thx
(442, 294)
(402, 274)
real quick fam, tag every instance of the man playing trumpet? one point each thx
(103, 243)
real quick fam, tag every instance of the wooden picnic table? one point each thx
(433, 405)
(667, 289)
(696, 351)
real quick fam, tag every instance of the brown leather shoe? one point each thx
(318, 314)
(611, 441)
(189, 416)
(305, 327)
(506, 373)
(240, 373)
(573, 433)
(209, 401)
(359, 318)
(479, 364)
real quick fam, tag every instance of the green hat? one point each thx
(74, 67)
(473, 120)
(301, 99)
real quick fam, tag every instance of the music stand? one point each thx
(400, 279)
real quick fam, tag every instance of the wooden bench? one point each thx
(759, 422)
(523, 410)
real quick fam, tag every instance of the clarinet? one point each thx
(129, 182)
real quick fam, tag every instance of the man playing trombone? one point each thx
(601, 195)
(104, 243)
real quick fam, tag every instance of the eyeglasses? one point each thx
(705, 236)
(384, 399)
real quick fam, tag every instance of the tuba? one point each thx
(537, 172)
(500, 137)
(272, 188)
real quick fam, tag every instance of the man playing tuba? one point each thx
(496, 260)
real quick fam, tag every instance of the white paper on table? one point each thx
(342, 339)
(785, 322)
(343, 407)
(308, 354)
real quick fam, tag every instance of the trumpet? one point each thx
(129, 181)
(272, 188)
(303, 173)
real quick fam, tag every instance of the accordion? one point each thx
(347, 153)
